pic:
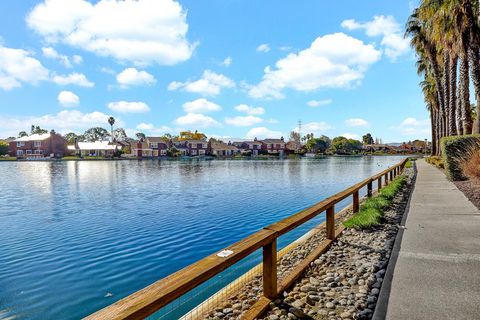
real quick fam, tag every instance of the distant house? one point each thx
(192, 148)
(94, 149)
(276, 146)
(253, 147)
(38, 146)
(151, 147)
(221, 149)
(378, 148)
(293, 147)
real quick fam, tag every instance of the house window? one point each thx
(154, 145)
(201, 151)
(19, 153)
(194, 152)
(37, 144)
(20, 143)
(204, 146)
(38, 152)
(29, 151)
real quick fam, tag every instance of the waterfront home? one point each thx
(94, 149)
(151, 147)
(275, 146)
(378, 148)
(253, 147)
(221, 149)
(38, 146)
(293, 147)
(192, 147)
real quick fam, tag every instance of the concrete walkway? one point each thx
(437, 255)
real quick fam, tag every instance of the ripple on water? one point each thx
(82, 235)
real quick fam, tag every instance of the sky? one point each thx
(228, 68)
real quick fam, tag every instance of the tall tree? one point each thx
(96, 134)
(111, 122)
(367, 139)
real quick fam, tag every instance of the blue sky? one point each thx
(233, 69)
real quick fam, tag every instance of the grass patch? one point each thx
(408, 164)
(8, 158)
(372, 211)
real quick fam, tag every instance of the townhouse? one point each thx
(39, 146)
(274, 146)
(253, 147)
(221, 149)
(192, 148)
(151, 147)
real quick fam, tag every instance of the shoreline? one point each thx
(211, 158)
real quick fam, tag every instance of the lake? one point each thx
(79, 235)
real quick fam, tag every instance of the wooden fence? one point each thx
(147, 301)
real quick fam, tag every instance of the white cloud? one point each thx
(51, 53)
(317, 128)
(332, 61)
(350, 136)
(68, 99)
(227, 62)
(263, 133)
(200, 106)
(356, 122)
(77, 59)
(196, 120)
(78, 79)
(414, 127)
(133, 77)
(246, 121)
(63, 122)
(17, 66)
(319, 103)
(250, 110)
(142, 32)
(388, 28)
(128, 107)
(210, 84)
(152, 129)
(264, 47)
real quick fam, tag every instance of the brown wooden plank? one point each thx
(303, 216)
(270, 270)
(331, 223)
(297, 272)
(150, 299)
(257, 309)
(356, 202)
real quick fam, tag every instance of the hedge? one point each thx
(455, 150)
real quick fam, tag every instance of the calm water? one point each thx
(77, 236)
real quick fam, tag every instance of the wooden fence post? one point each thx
(379, 181)
(386, 179)
(369, 189)
(391, 175)
(270, 270)
(331, 222)
(356, 202)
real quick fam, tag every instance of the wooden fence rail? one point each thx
(147, 301)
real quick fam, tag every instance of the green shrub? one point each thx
(371, 212)
(365, 219)
(455, 150)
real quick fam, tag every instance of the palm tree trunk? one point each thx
(458, 111)
(465, 96)
(452, 94)
(434, 133)
(446, 90)
(475, 70)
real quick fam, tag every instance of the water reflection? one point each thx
(74, 231)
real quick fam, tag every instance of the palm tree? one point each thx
(111, 121)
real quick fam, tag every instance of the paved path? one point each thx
(437, 271)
